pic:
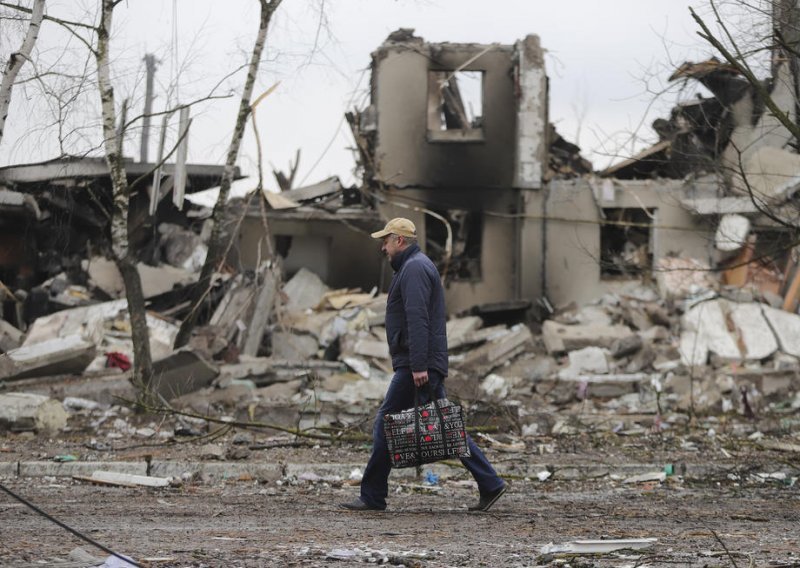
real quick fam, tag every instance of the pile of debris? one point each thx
(651, 357)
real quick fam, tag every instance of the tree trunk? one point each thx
(124, 257)
(216, 246)
(17, 60)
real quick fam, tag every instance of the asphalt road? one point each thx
(297, 523)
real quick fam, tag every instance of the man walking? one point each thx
(417, 337)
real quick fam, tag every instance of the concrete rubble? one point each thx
(304, 354)
(323, 360)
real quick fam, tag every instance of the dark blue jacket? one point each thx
(415, 314)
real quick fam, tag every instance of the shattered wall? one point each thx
(487, 172)
(573, 233)
(405, 154)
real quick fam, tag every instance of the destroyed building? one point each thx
(457, 138)
(55, 231)
(638, 273)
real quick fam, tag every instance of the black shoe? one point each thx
(358, 505)
(488, 499)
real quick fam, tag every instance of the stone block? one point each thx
(753, 330)
(707, 321)
(559, 338)
(786, 327)
(588, 360)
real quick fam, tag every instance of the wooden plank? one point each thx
(129, 479)
(107, 483)
(263, 310)
(793, 294)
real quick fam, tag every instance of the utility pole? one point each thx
(150, 67)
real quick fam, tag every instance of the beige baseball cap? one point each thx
(397, 226)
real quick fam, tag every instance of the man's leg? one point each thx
(375, 483)
(477, 464)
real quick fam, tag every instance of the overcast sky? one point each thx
(598, 54)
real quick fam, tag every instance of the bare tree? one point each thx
(17, 59)
(124, 256)
(217, 245)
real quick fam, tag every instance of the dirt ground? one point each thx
(728, 519)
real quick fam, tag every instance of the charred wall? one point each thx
(407, 155)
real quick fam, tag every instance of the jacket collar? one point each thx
(399, 260)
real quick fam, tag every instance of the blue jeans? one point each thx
(400, 396)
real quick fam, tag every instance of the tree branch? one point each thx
(745, 70)
(17, 59)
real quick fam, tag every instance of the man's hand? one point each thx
(420, 377)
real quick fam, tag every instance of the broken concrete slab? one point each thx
(457, 328)
(755, 334)
(128, 479)
(693, 349)
(62, 355)
(772, 174)
(360, 366)
(304, 290)
(266, 370)
(269, 276)
(609, 386)
(655, 333)
(598, 546)
(496, 352)
(559, 338)
(343, 301)
(319, 324)
(293, 346)
(629, 378)
(371, 348)
(86, 321)
(182, 373)
(708, 320)
(626, 346)
(357, 392)
(280, 392)
(156, 280)
(107, 326)
(10, 336)
(659, 476)
(719, 205)
(643, 359)
(479, 336)
(310, 192)
(20, 411)
(589, 360)
(786, 327)
(233, 307)
(592, 315)
(496, 386)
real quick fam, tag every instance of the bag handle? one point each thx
(417, 432)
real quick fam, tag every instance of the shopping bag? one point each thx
(426, 433)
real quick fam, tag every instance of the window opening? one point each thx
(455, 105)
(465, 261)
(626, 243)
